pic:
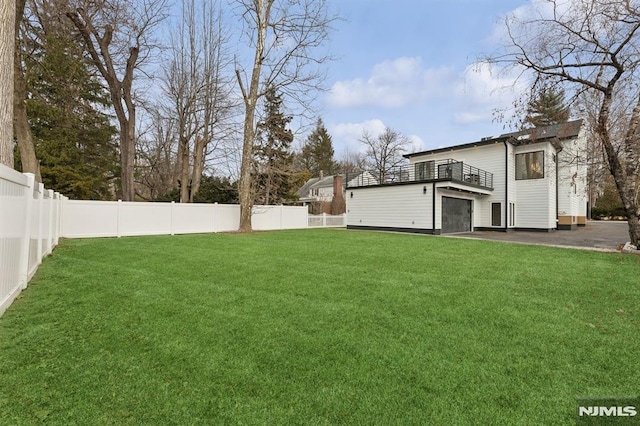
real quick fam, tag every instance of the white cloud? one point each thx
(417, 144)
(483, 89)
(347, 135)
(392, 84)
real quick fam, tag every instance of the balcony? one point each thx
(448, 170)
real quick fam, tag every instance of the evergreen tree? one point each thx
(74, 139)
(546, 108)
(272, 155)
(317, 153)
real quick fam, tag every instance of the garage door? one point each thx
(456, 215)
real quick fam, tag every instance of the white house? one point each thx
(530, 180)
(320, 189)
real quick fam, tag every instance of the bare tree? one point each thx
(590, 46)
(156, 165)
(199, 91)
(352, 162)
(117, 35)
(7, 45)
(285, 37)
(384, 152)
(21, 125)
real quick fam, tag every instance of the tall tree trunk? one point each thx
(198, 165)
(7, 47)
(184, 172)
(262, 10)
(625, 176)
(21, 126)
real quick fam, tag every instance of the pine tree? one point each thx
(272, 156)
(74, 139)
(546, 108)
(318, 153)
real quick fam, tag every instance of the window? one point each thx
(512, 214)
(496, 214)
(530, 165)
(425, 170)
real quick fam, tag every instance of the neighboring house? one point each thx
(320, 189)
(530, 180)
(317, 189)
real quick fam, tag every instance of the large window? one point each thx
(530, 165)
(425, 170)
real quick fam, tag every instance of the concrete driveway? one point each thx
(597, 235)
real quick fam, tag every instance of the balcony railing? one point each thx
(426, 171)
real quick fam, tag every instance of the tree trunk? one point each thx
(184, 172)
(625, 177)
(7, 47)
(127, 159)
(198, 165)
(21, 126)
(262, 10)
(244, 190)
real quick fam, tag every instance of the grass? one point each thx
(318, 327)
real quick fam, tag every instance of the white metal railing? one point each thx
(29, 230)
(327, 221)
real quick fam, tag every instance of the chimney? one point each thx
(337, 186)
(338, 205)
(321, 174)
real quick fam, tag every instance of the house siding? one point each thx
(572, 196)
(536, 198)
(490, 158)
(405, 206)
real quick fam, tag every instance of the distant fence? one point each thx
(29, 230)
(327, 221)
(32, 219)
(84, 219)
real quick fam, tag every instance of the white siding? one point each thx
(396, 206)
(490, 158)
(572, 181)
(536, 198)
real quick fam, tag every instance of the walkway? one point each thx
(598, 235)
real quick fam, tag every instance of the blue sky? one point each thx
(409, 65)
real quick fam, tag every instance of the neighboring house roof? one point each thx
(561, 131)
(302, 192)
(316, 183)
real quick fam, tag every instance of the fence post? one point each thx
(173, 204)
(119, 207)
(63, 210)
(281, 215)
(50, 227)
(40, 219)
(56, 234)
(213, 219)
(26, 232)
(324, 220)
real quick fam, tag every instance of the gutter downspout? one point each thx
(558, 148)
(506, 186)
(433, 208)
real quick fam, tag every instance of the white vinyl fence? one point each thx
(327, 221)
(84, 219)
(29, 230)
(32, 219)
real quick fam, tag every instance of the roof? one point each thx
(316, 183)
(560, 131)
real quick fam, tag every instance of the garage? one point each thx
(456, 215)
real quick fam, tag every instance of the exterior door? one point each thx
(456, 215)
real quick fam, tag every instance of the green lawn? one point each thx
(318, 327)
